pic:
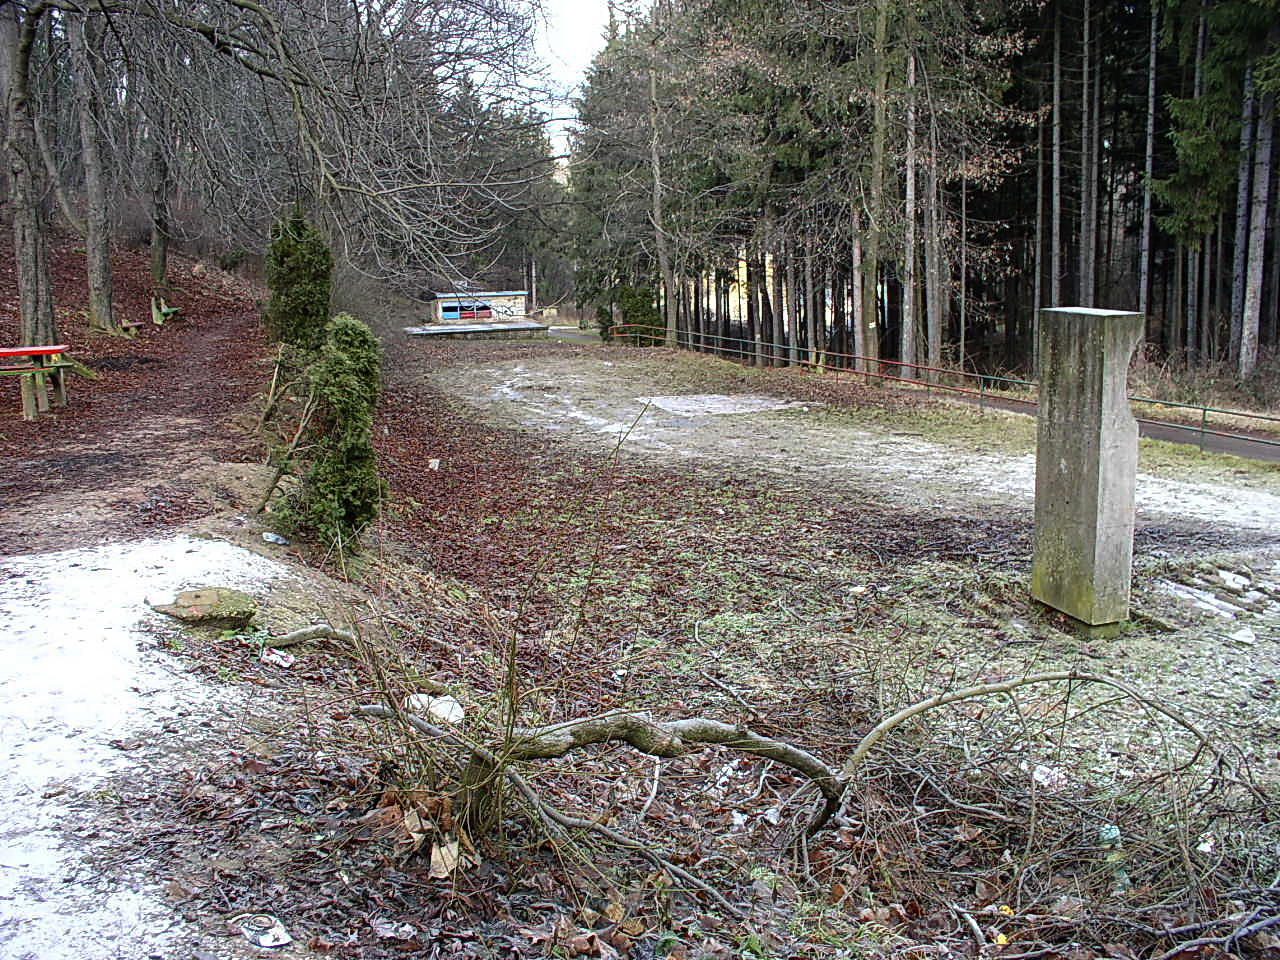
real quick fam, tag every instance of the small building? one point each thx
(479, 306)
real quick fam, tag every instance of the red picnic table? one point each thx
(42, 365)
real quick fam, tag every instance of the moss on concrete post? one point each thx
(1086, 463)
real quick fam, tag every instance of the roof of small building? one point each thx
(481, 294)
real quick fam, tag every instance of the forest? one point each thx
(876, 179)
(409, 132)
(913, 181)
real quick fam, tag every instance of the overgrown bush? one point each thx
(299, 274)
(1214, 383)
(342, 490)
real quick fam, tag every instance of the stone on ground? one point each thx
(212, 607)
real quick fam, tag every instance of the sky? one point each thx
(571, 35)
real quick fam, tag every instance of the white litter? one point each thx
(444, 709)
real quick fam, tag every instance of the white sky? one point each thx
(571, 35)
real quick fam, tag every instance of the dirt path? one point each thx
(126, 456)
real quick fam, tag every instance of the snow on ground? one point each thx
(81, 670)
(1156, 496)
(600, 401)
(714, 404)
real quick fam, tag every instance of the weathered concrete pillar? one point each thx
(1086, 463)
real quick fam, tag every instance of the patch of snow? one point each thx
(714, 404)
(1201, 599)
(1233, 580)
(78, 675)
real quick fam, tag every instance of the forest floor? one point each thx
(639, 530)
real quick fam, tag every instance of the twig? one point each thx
(1224, 941)
(653, 789)
(721, 685)
(978, 936)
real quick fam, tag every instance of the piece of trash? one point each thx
(1108, 834)
(1206, 844)
(388, 930)
(275, 538)
(433, 464)
(277, 658)
(1245, 636)
(444, 709)
(445, 857)
(262, 930)
(1049, 779)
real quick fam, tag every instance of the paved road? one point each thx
(574, 335)
(1238, 446)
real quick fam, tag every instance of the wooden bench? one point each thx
(44, 365)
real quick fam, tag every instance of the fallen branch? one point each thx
(1225, 941)
(321, 631)
(287, 455)
(673, 739)
(887, 725)
(545, 810)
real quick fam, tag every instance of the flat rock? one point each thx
(212, 607)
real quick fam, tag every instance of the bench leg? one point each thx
(42, 391)
(28, 387)
(59, 387)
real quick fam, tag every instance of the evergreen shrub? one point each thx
(300, 276)
(638, 309)
(341, 491)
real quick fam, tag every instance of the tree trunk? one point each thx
(659, 233)
(1084, 295)
(793, 310)
(27, 187)
(1240, 255)
(933, 259)
(857, 282)
(1037, 257)
(1055, 228)
(1273, 313)
(908, 336)
(879, 134)
(810, 305)
(779, 299)
(964, 257)
(86, 50)
(1257, 238)
(1192, 295)
(1095, 178)
(1144, 255)
(1174, 339)
(1191, 321)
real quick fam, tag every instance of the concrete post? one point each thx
(1086, 463)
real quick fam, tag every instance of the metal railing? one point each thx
(990, 388)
